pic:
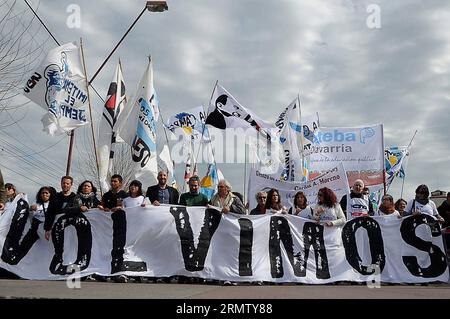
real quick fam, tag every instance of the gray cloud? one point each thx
(265, 53)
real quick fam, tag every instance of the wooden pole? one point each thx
(69, 154)
(90, 114)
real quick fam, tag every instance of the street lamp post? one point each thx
(152, 6)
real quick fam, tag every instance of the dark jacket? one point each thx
(153, 194)
(444, 211)
(257, 211)
(110, 199)
(67, 205)
(90, 201)
(2, 189)
(188, 199)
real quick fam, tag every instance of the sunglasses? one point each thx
(43, 193)
(261, 197)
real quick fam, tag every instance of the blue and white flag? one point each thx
(191, 123)
(58, 85)
(209, 183)
(393, 159)
(138, 128)
(290, 136)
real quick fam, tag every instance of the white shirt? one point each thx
(133, 201)
(39, 214)
(429, 208)
(395, 213)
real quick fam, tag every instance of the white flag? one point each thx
(58, 85)
(115, 102)
(290, 131)
(191, 123)
(137, 127)
(165, 157)
(226, 112)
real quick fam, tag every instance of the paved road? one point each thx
(94, 290)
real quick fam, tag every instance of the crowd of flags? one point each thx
(54, 87)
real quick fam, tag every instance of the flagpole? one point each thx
(204, 126)
(302, 135)
(90, 113)
(203, 131)
(69, 154)
(245, 172)
(407, 148)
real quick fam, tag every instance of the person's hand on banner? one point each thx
(48, 233)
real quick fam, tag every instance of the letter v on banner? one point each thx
(194, 258)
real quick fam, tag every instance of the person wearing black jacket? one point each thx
(65, 204)
(444, 211)
(161, 193)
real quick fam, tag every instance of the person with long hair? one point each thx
(135, 197)
(387, 207)
(400, 206)
(273, 202)
(301, 207)
(45, 200)
(422, 204)
(328, 210)
(87, 196)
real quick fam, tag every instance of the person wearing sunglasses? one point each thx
(260, 209)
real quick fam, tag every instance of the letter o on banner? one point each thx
(84, 235)
(375, 242)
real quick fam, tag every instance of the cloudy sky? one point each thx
(264, 53)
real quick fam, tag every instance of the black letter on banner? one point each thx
(245, 247)
(313, 235)
(119, 219)
(13, 251)
(279, 229)
(437, 258)
(375, 242)
(194, 258)
(84, 235)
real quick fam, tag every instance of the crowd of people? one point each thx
(329, 211)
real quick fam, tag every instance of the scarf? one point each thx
(215, 201)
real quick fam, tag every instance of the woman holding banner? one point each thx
(301, 207)
(273, 202)
(328, 210)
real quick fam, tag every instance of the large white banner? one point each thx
(58, 85)
(360, 149)
(335, 180)
(200, 242)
